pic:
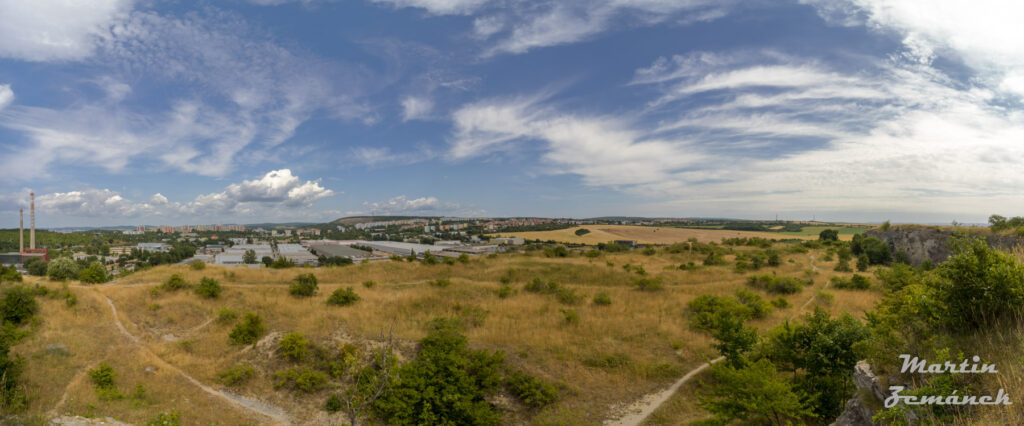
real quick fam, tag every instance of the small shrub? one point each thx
(293, 347)
(759, 308)
(688, 266)
(282, 263)
(649, 251)
(706, 308)
(343, 297)
(649, 284)
(249, 330)
(304, 285)
(209, 288)
(571, 316)
(776, 284)
(857, 282)
(95, 273)
(300, 380)
(505, 291)
(236, 375)
(530, 390)
(826, 298)
(174, 283)
(538, 286)
(608, 362)
(781, 303)
(602, 299)
(440, 282)
(103, 376)
(369, 284)
(582, 231)
(166, 419)
(862, 262)
(198, 265)
(226, 315)
(567, 296)
(333, 404)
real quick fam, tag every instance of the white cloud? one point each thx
(6, 96)
(377, 156)
(439, 7)
(564, 22)
(250, 95)
(416, 108)
(56, 30)
(983, 34)
(402, 204)
(90, 203)
(276, 188)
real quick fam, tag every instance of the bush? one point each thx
(95, 273)
(293, 347)
(505, 291)
(714, 258)
(249, 330)
(705, 309)
(538, 286)
(36, 266)
(857, 282)
(571, 316)
(530, 390)
(897, 276)
(174, 282)
(197, 265)
(781, 303)
(19, 304)
(648, 284)
(343, 297)
(303, 286)
(62, 268)
(208, 288)
(862, 262)
(440, 282)
(447, 383)
(282, 263)
(843, 266)
(166, 419)
(369, 284)
(602, 299)
(757, 306)
(828, 235)
(226, 315)
(429, 259)
(463, 258)
(236, 375)
(567, 296)
(102, 377)
(775, 284)
(333, 404)
(556, 251)
(300, 380)
(979, 284)
(582, 231)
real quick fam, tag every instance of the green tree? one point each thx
(209, 288)
(94, 273)
(733, 338)
(36, 266)
(828, 235)
(62, 268)
(19, 304)
(755, 394)
(249, 258)
(304, 285)
(863, 262)
(267, 261)
(249, 330)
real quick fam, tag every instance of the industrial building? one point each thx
(337, 250)
(297, 254)
(24, 254)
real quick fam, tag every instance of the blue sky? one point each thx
(127, 112)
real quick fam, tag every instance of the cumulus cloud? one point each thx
(56, 30)
(6, 96)
(90, 203)
(416, 108)
(402, 204)
(276, 188)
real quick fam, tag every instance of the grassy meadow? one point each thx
(609, 357)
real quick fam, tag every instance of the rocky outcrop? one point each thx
(858, 411)
(922, 243)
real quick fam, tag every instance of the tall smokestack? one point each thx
(21, 231)
(32, 216)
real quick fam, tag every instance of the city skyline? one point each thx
(125, 112)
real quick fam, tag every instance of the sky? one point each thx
(122, 112)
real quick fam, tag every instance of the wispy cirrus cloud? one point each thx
(402, 204)
(54, 30)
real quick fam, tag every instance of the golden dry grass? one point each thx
(649, 328)
(646, 234)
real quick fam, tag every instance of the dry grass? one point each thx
(649, 328)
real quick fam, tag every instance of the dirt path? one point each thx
(276, 414)
(637, 412)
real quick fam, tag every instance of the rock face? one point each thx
(857, 411)
(932, 244)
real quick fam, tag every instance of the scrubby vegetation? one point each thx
(343, 297)
(304, 285)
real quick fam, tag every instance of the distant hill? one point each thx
(352, 220)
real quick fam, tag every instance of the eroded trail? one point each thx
(275, 414)
(637, 412)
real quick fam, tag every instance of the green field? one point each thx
(815, 230)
